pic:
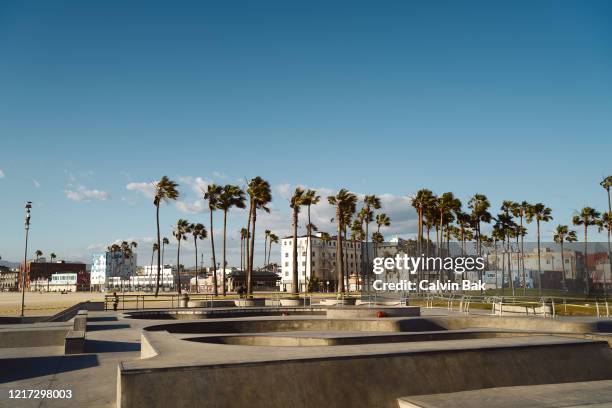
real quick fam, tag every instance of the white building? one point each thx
(106, 265)
(319, 261)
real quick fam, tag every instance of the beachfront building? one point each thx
(107, 265)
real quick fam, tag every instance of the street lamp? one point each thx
(28, 206)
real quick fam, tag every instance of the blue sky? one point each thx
(508, 99)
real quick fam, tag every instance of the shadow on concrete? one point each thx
(604, 326)
(98, 327)
(102, 319)
(104, 346)
(15, 369)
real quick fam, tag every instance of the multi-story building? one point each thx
(69, 282)
(113, 264)
(8, 279)
(318, 260)
(41, 272)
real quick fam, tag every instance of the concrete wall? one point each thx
(359, 381)
(33, 337)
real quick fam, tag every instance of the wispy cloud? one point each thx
(193, 207)
(36, 183)
(82, 194)
(1, 173)
(146, 189)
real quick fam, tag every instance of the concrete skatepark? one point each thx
(320, 355)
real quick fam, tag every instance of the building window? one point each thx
(286, 263)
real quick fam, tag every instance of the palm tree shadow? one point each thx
(15, 369)
(104, 346)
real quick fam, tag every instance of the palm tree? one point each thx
(38, 254)
(165, 190)
(345, 201)
(295, 204)
(260, 196)
(540, 213)
(310, 198)
(155, 248)
(231, 196)
(267, 235)
(198, 231)
(212, 194)
(243, 239)
(165, 241)
(273, 239)
(52, 256)
(519, 210)
(447, 204)
(370, 203)
(606, 183)
(606, 223)
(563, 233)
(180, 233)
(588, 217)
(479, 204)
(420, 202)
(382, 220)
(357, 234)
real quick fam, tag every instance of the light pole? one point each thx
(28, 206)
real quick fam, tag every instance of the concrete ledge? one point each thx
(33, 336)
(333, 382)
(501, 309)
(80, 321)
(249, 302)
(364, 312)
(74, 342)
(291, 302)
(335, 302)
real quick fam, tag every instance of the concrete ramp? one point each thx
(357, 376)
(592, 394)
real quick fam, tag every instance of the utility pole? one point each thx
(28, 206)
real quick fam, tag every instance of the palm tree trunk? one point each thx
(178, 265)
(195, 242)
(563, 264)
(247, 249)
(214, 259)
(586, 269)
(158, 255)
(346, 269)
(366, 270)
(252, 253)
(269, 250)
(308, 243)
(295, 277)
(339, 260)
(539, 263)
(223, 290)
(523, 258)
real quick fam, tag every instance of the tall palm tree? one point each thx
(260, 196)
(267, 235)
(52, 256)
(345, 201)
(479, 204)
(212, 194)
(587, 217)
(447, 204)
(563, 233)
(606, 183)
(273, 239)
(198, 231)
(606, 223)
(38, 254)
(165, 190)
(382, 220)
(180, 233)
(519, 210)
(357, 234)
(231, 196)
(243, 239)
(165, 241)
(295, 204)
(310, 198)
(540, 213)
(155, 248)
(420, 202)
(370, 203)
